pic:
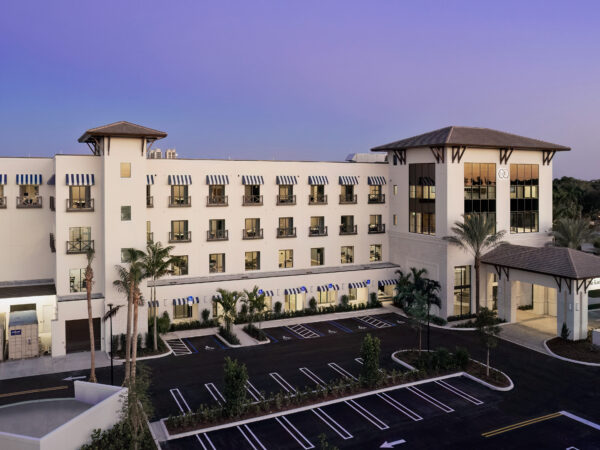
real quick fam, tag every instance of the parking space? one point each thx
(204, 344)
(179, 347)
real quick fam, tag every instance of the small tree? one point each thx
(564, 331)
(235, 379)
(370, 352)
(488, 330)
(228, 301)
(89, 281)
(256, 305)
(312, 304)
(205, 315)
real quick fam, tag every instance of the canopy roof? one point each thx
(122, 129)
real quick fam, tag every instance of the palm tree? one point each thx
(572, 232)
(228, 301)
(476, 235)
(256, 304)
(89, 280)
(157, 262)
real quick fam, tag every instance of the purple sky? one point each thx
(299, 80)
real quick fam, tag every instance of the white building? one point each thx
(295, 229)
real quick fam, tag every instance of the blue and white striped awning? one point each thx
(29, 178)
(80, 179)
(153, 304)
(328, 287)
(347, 181)
(292, 291)
(3, 178)
(149, 179)
(186, 301)
(317, 179)
(358, 285)
(376, 181)
(180, 180)
(253, 179)
(286, 179)
(217, 179)
(267, 293)
(387, 282)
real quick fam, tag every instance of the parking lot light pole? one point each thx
(112, 376)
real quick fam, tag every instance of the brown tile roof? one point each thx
(556, 261)
(122, 129)
(471, 137)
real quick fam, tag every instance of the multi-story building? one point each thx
(295, 229)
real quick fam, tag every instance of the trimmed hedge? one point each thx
(193, 325)
(455, 318)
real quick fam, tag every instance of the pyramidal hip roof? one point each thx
(122, 129)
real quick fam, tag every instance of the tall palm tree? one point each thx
(89, 280)
(572, 232)
(228, 301)
(157, 262)
(256, 304)
(476, 235)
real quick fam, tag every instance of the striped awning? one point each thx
(29, 178)
(286, 179)
(387, 282)
(347, 181)
(217, 179)
(267, 293)
(80, 179)
(328, 287)
(153, 304)
(149, 179)
(253, 179)
(376, 181)
(317, 179)
(292, 291)
(358, 285)
(180, 180)
(186, 301)
(3, 178)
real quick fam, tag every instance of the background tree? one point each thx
(488, 331)
(256, 305)
(476, 235)
(228, 301)
(572, 232)
(370, 353)
(235, 379)
(89, 282)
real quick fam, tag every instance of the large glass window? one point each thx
(182, 311)
(480, 189)
(524, 198)
(77, 280)
(80, 240)
(180, 267)
(179, 194)
(462, 290)
(347, 254)
(252, 260)
(329, 296)
(179, 230)
(317, 256)
(216, 262)
(421, 202)
(375, 252)
(286, 259)
(79, 196)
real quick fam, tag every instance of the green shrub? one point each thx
(163, 323)
(277, 307)
(193, 324)
(205, 315)
(256, 333)
(370, 353)
(525, 307)
(344, 301)
(229, 336)
(463, 317)
(565, 332)
(437, 320)
(312, 305)
(118, 438)
(234, 391)
(461, 358)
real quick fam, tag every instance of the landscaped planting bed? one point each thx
(229, 336)
(582, 350)
(256, 333)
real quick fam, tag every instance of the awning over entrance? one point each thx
(294, 291)
(328, 287)
(358, 285)
(348, 180)
(186, 301)
(153, 304)
(286, 179)
(382, 283)
(267, 293)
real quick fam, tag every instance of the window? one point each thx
(347, 194)
(293, 302)
(182, 311)
(395, 189)
(216, 229)
(252, 260)
(149, 199)
(252, 228)
(375, 223)
(286, 193)
(179, 230)
(125, 170)
(252, 193)
(216, 194)
(462, 290)
(80, 240)
(329, 296)
(286, 227)
(216, 262)
(317, 193)
(352, 294)
(375, 194)
(77, 280)
(524, 198)
(347, 226)
(286, 259)
(180, 267)
(375, 252)
(317, 226)
(317, 256)
(395, 219)
(125, 213)
(79, 196)
(480, 189)
(179, 195)
(347, 254)
(395, 160)
(421, 198)
(149, 234)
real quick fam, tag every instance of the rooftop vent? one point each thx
(170, 153)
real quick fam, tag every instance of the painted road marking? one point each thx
(270, 337)
(342, 372)
(392, 444)
(313, 377)
(328, 420)
(191, 345)
(177, 393)
(367, 414)
(256, 440)
(458, 392)
(215, 393)
(209, 445)
(81, 377)
(284, 384)
(359, 360)
(34, 391)
(373, 322)
(178, 347)
(418, 392)
(399, 406)
(340, 326)
(255, 393)
(581, 420)
(299, 437)
(302, 331)
(219, 343)
(312, 329)
(520, 425)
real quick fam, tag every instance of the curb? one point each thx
(554, 355)
(222, 339)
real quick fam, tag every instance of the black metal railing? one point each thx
(29, 202)
(317, 199)
(376, 198)
(181, 236)
(348, 229)
(286, 199)
(80, 205)
(252, 200)
(252, 233)
(149, 201)
(347, 199)
(79, 246)
(176, 202)
(375, 228)
(317, 231)
(286, 232)
(217, 235)
(217, 200)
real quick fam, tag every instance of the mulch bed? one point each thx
(578, 350)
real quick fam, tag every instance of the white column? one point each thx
(572, 309)
(507, 308)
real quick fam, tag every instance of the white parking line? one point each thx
(312, 376)
(342, 372)
(177, 393)
(215, 393)
(254, 393)
(256, 440)
(302, 331)
(359, 360)
(374, 322)
(209, 445)
(418, 392)
(299, 437)
(178, 347)
(367, 414)
(458, 392)
(399, 406)
(328, 420)
(284, 384)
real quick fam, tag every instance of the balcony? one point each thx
(252, 200)
(317, 231)
(2, 202)
(317, 199)
(79, 246)
(182, 236)
(180, 202)
(217, 235)
(149, 202)
(80, 205)
(217, 200)
(29, 202)
(287, 232)
(376, 198)
(346, 199)
(149, 237)
(375, 228)
(254, 233)
(347, 229)
(286, 199)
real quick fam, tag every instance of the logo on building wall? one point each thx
(502, 174)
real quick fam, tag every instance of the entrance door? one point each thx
(78, 335)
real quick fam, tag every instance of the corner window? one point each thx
(524, 198)
(421, 198)
(125, 213)
(395, 219)
(395, 189)
(125, 170)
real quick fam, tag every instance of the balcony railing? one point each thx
(287, 232)
(149, 237)
(376, 198)
(317, 231)
(181, 236)
(348, 229)
(253, 233)
(29, 202)
(375, 228)
(217, 200)
(217, 235)
(149, 201)
(178, 202)
(286, 199)
(347, 199)
(79, 246)
(80, 205)
(317, 199)
(252, 200)
(2, 202)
